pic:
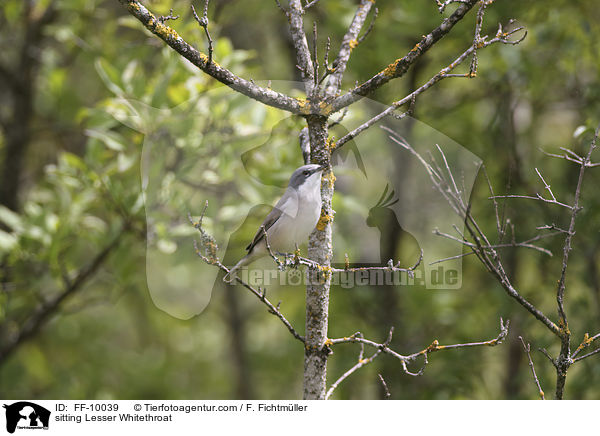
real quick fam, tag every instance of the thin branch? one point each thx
(385, 387)
(586, 355)
(282, 8)
(309, 4)
(560, 292)
(164, 18)
(481, 246)
(587, 341)
(400, 66)
(359, 364)
(349, 42)
(201, 60)
(389, 267)
(315, 61)
(203, 22)
(548, 356)
(501, 37)
(207, 251)
(524, 244)
(527, 349)
(435, 346)
(362, 37)
(477, 40)
(43, 313)
(537, 197)
(279, 264)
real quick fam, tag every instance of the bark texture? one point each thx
(320, 249)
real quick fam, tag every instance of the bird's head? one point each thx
(305, 176)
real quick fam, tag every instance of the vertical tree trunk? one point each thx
(17, 139)
(320, 249)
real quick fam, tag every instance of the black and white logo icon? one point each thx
(26, 415)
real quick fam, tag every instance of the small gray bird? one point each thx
(292, 219)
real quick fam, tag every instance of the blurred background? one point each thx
(84, 91)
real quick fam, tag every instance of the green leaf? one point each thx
(109, 76)
(112, 140)
(124, 162)
(11, 219)
(7, 242)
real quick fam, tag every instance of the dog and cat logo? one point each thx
(26, 415)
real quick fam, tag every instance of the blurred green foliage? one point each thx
(105, 89)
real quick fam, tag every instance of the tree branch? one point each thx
(444, 73)
(527, 349)
(349, 42)
(560, 292)
(41, 316)
(587, 341)
(400, 66)
(201, 60)
(443, 181)
(564, 359)
(203, 22)
(296, 23)
(435, 346)
(207, 251)
(359, 364)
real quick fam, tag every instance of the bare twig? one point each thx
(207, 250)
(400, 66)
(564, 360)
(548, 356)
(362, 37)
(524, 244)
(359, 364)
(586, 355)
(527, 349)
(282, 8)
(309, 4)
(349, 42)
(587, 341)
(165, 18)
(435, 346)
(203, 22)
(385, 387)
(480, 246)
(315, 61)
(501, 37)
(279, 264)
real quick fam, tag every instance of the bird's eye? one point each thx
(306, 172)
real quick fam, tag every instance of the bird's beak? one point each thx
(321, 168)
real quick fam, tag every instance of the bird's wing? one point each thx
(287, 204)
(271, 219)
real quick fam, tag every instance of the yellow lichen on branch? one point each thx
(324, 220)
(390, 70)
(328, 179)
(325, 109)
(303, 106)
(586, 342)
(165, 32)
